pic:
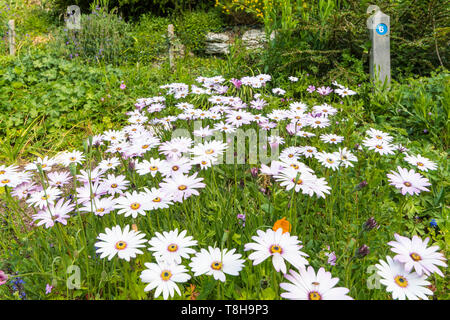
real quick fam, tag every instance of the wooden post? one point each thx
(380, 55)
(12, 37)
(171, 36)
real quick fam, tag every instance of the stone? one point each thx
(255, 38)
(217, 43)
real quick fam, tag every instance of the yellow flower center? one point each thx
(318, 122)
(5, 180)
(401, 281)
(172, 247)
(276, 249)
(43, 165)
(290, 155)
(114, 185)
(408, 184)
(2, 171)
(72, 158)
(44, 197)
(378, 137)
(135, 206)
(379, 146)
(209, 151)
(175, 168)
(166, 275)
(204, 163)
(153, 168)
(157, 199)
(145, 146)
(330, 160)
(415, 256)
(100, 209)
(238, 118)
(420, 164)
(121, 245)
(295, 166)
(332, 139)
(314, 295)
(216, 265)
(182, 187)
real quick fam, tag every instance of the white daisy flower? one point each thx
(422, 163)
(278, 245)
(307, 285)
(401, 283)
(182, 186)
(415, 254)
(408, 181)
(132, 204)
(152, 166)
(331, 138)
(217, 263)
(44, 198)
(164, 277)
(172, 246)
(123, 243)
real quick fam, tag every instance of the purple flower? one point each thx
(236, 82)
(241, 217)
(311, 89)
(323, 91)
(123, 86)
(254, 172)
(48, 289)
(3, 277)
(331, 258)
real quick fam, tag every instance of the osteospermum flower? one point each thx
(401, 283)
(44, 198)
(132, 204)
(278, 245)
(172, 246)
(182, 186)
(422, 163)
(99, 206)
(123, 243)
(152, 166)
(115, 184)
(67, 158)
(408, 181)
(345, 157)
(164, 277)
(157, 198)
(380, 146)
(54, 213)
(23, 190)
(329, 160)
(415, 254)
(217, 263)
(307, 285)
(331, 138)
(58, 179)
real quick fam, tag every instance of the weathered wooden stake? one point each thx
(380, 55)
(12, 37)
(171, 36)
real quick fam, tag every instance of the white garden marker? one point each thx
(12, 37)
(380, 55)
(73, 21)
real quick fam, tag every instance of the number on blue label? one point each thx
(381, 29)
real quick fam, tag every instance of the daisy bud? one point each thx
(370, 224)
(254, 172)
(362, 184)
(363, 251)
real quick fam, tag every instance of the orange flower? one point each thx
(283, 224)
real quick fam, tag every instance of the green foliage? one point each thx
(150, 39)
(192, 27)
(420, 105)
(104, 36)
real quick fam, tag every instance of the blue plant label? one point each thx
(381, 29)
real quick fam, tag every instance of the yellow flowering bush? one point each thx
(249, 9)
